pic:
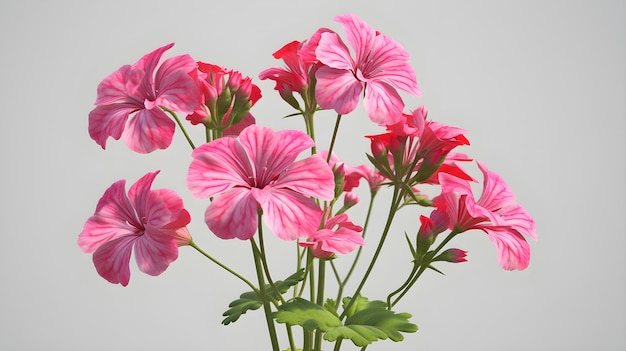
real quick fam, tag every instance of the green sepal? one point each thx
(250, 300)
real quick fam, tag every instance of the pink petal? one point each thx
(311, 176)
(184, 63)
(513, 250)
(236, 129)
(108, 121)
(288, 214)
(342, 241)
(233, 214)
(114, 217)
(332, 52)
(178, 92)
(154, 252)
(114, 88)
(359, 34)
(148, 64)
(337, 89)
(172, 214)
(112, 258)
(149, 130)
(140, 193)
(218, 166)
(382, 103)
(272, 152)
(388, 62)
(496, 194)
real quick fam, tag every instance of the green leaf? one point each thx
(331, 306)
(306, 314)
(250, 300)
(369, 321)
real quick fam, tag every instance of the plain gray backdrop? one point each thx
(538, 85)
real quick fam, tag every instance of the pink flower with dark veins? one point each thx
(380, 67)
(130, 99)
(339, 236)
(496, 213)
(152, 223)
(258, 171)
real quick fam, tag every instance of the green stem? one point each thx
(308, 340)
(424, 266)
(264, 261)
(310, 127)
(338, 344)
(193, 244)
(334, 137)
(320, 300)
(180, 124)
(343, 283)
(266, 305)
(396, 199)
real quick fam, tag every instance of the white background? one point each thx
(538, 85)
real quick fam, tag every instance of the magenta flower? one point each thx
(299, 58)
(381, 66)
(150, 222)
(496, 213)
(339, 236)
(136, 90)
(256, 171)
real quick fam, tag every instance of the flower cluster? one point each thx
(253, 177)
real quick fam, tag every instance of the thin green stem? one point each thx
(334, 137)
(264, 261)
(180, 124)
(195, 246)
(424, 266)
(338, 344)
(343, 283)
(404, 285)
(396, 199)
(266, 305)
(320, 300)
(307, 340)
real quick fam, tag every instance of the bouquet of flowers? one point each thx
(255, 179)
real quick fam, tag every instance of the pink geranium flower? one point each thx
(138, 91)
(150, 222)
(256, 171)
(300, 62)
(496, 213)
(339, 236)
(380, 67)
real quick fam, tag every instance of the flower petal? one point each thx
(382, 103)
(111, 259)
(272, 152)
(114, 217)
(288, 214)
(218, 166)
(115, 87)
(149, 130)
(154, 251)
(359, 34)
(337, 89)
(233, 214)
(513, 249)
(311, 176)
(108, 121)
(332, 52)
(178, 92)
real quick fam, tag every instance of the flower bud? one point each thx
(452, 255)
